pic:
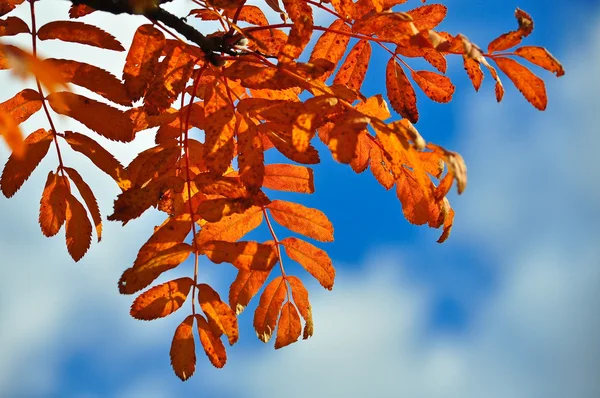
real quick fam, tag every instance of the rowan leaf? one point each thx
(53, 205)
(400, 92)
(183, 349)
(22, 105)
(80, 10)
(171, 233)
(354, 69)
(231, 228)
(7, 6)
(303, 220)
(448, 221)
(93, 114)
(314, 260)
(300, 295)
(243, 255)
(542, 58)
(513, 38)
(251, 14)
(282, 140)
(78, 228)
(267, 312)
(251, 159)
(169, 80)
(12, 135)
(12, 26)
(289, 177)
(99, 156)
(93, 78)
(213, 346)
(301, 15)
(18, 169)
(415, 205)
(162, 300)
(474, 71)
(331, 46)
(79, 32)
(289, 328)
(221, 318)
(142, 60)
(88, 197)
(144, 273)
(428, 16)
(531, 86)
(437, 87)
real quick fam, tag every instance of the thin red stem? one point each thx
(277, 245)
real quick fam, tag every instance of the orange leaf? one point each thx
(221, 318)
(162, 300)
(313, 259)
(78, 228)
(183, 349)
(282, 140)
(265, 316)
(99, 156)
(251, 159)
(142, 60)
(213, 346)
(448, 221)
(251, 14)
(303, 220)
(157, 165)
(231, 228)
(331, 46)
(245, 286)
(400, 92)
(53, 205)
(80, 10)
(343, 138)
(300, 295)
(93, 78)
(354, 69)
(144, 273)
(380, 168)
(289, 177)
(11, 133)
(243, 255)
(79, 32)
(415, 205)
(289, 328)
(22, 105)
(511, 39)
(360, 162)
(169, 79)
(345, 8)
(474, 71)
(375, 106)
(437, 87)
(301, 15)
(542, 58)
(93, 114)
(7, 6)
(219, 141)
(531, 86)
(428, 16)
(17, 170)
(172, 232)
(88, 197)
(12, 26)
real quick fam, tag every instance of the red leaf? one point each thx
(79, 32)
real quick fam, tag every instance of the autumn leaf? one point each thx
(400, 92)
(142, 59)
(183, 349)
(18, 169)
(79, 32)
(428, 16)
(231, 228)
(303, 220)
(354, 69)
(162, 300)
(12, 26)
(9, 5)
(289, 328)
(243, 255)
(300, 295)
(313, 259)
(265, 316)
(531, 86)
(331, 46)
(542, 58)
(144, 273)
(474, 71)
(93, 114)
(88, 197)
(437, 87)
(245, 286)
(78, 228)
(289, 177)
(221, 318)
(213, 346)
(53, 205)
(22, 105)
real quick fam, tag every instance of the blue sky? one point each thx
(507, 307)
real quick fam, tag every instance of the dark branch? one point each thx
(208, 45)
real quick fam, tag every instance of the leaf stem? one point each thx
(277, 245)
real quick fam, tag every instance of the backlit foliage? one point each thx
(217, 103)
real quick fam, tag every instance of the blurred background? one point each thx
(507, 307)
